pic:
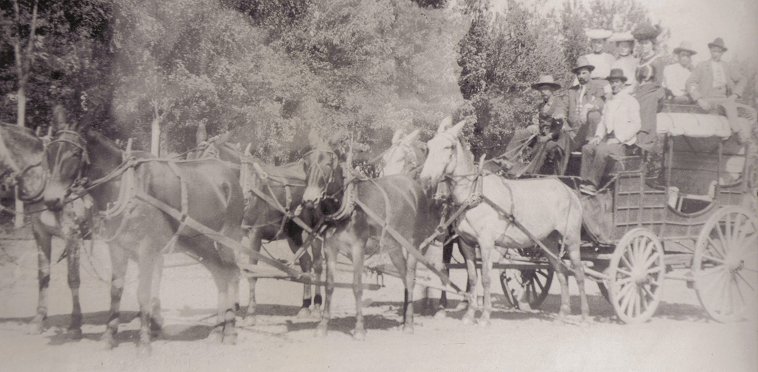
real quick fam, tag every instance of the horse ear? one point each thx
(412, 137)
(445, 124)
(247, 149)
(456, 129)
(59, 117)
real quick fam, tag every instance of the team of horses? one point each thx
(146, 204)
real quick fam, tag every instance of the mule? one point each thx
(398, 201)
(205, 190)
(22, 165)
(547, 208)
(263, 221)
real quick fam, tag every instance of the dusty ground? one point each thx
(679, 338)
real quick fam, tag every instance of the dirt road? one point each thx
(679, 338)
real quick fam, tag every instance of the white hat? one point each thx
(598, 34)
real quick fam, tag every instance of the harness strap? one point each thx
(410, 248)
(387, 208)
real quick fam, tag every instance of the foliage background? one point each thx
(273, 71)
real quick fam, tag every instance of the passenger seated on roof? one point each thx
(675, 75)
(716, 83)
(616, 133)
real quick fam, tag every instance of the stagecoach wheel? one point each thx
(635, 276)
(725, 265)
(532, 285)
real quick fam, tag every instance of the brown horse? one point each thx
(546, 208)
(22, 165)
(395, 201)
(264, 221)
(204, 190)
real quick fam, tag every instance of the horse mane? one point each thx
(104, 142)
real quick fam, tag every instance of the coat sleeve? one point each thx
(694, 81)
(601, 130)
(573, 116)
(739, 80)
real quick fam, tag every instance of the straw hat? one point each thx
(598, 34)
(582, 62)
(684, 46)
(546, 81)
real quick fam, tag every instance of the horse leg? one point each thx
(470, 257)
(44, 245)
(562, 275)
(318, 268)
(331, 267)
(147, 262)
(447, 256)
(118, 264)
(407, 271)
(576, 263)
(255, 246)
(73, 247)
(156, 319)
(487, 246)
(232, 282)
(305, 266)
(357, 254)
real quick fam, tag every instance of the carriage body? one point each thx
(677, 226)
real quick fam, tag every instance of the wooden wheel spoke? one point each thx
(739, 275)
(648, 292)
(716, 247)
(624, 290)
(626, 260)
(624, 272)
(626, 299)
(714, 259)
(739, 291)
(722, 238)
(539, 284)
(638, 301)
(624, 281)
(652, 259)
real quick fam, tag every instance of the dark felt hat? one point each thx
(718, 43)
(616, 74)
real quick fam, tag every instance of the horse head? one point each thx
(323, 174)
(443, 153)
(67, 157)
(405, 156)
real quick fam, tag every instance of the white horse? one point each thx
(546, 208)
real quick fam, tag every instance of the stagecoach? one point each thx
(698, 225)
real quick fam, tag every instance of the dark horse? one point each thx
(282, 186)
(398, 201)
(22, 165)
(204, 190)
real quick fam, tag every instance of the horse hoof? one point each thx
(109, 342)
(144, 350)
(485, 322)
(304, 313)
(320, 331)
(359, 335)
(440, 314)
(468, 320)
(75, 333)
(230, 339)
(35, 328)
(408, 330)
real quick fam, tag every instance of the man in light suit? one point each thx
(615, 135)
(716, 83)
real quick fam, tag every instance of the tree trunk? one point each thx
(155, 136)
(18, 222)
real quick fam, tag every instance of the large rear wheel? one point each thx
(725, 265)
(635, 275)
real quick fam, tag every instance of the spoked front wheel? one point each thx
(725, 265)
(635, 275)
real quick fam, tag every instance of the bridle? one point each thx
(80, 144)
(315, 169)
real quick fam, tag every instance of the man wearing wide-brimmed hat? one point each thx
(615, 135)
(597, 56)
(625, 60)
(716, 83)
(675, 75)
(585, 102)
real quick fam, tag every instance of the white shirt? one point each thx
(675, 79)
(621, 119)
(602, 63)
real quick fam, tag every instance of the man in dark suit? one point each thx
(585, 103)
(716, 83)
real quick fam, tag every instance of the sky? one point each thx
(700, 22)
